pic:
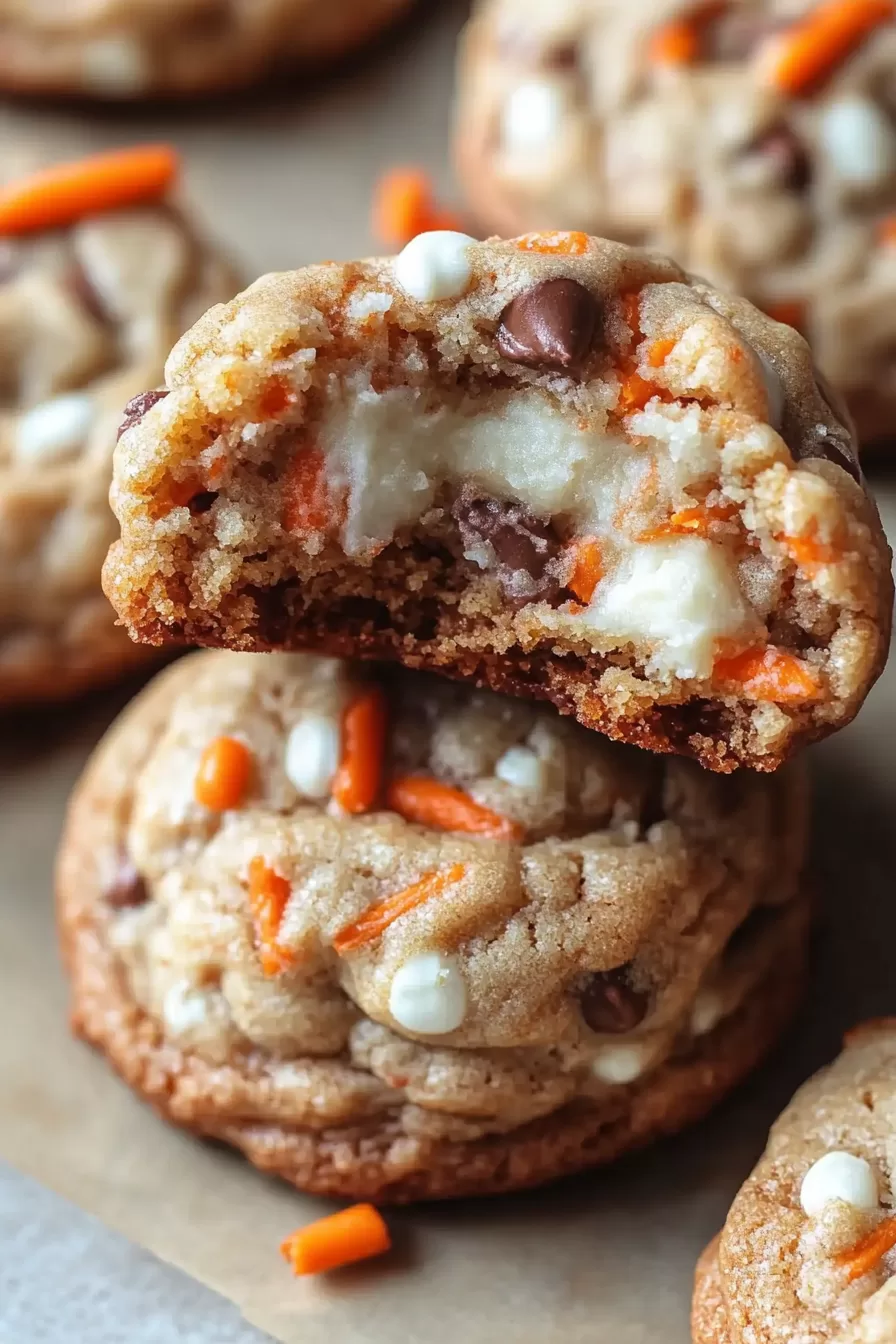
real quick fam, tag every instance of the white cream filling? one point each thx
(391, 451)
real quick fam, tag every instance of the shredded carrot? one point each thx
(587, 569)
(867, 1253)
(377, 918)
(634, 393)
(568, 244)
(67, 192)
(355, 1233)
(178, 494)
(676, 43)
(402, 206)
(797, 60)
(769, 674)
(660, 351)
(428, 802)
(808, 552)
(359, 777)
(223, 775)
(268, 895)
(789, 311)
(274, 399)
(308, 505)
(699, 521)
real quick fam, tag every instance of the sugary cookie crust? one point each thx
(660, 124)
(86, 317)
(565, 470)
(130, 49)
(773, 1275)
(305, 1065)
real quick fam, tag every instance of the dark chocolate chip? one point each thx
(127, 888)
(782, 149)
(202, 502)
(524, 546)
(609, 1004)
(138, 406)
(549, 326)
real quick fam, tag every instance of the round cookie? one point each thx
(130, 49)
(807, 1252)
(554, 465)
(754, 141)
(87, 314)
(532, 951)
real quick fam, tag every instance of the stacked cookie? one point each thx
(91, 298)
(397, 934)
(754, 140)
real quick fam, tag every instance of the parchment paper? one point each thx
(606, 1258)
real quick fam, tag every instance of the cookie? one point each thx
(754, 141)
(87, 315)
(119, 50)
(556, 465)
(807, 1252)
(397, 938)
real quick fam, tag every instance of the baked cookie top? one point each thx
(126, 49)
(88, 313)
(754, 140)
(807, 1251)
(318, 858)
(555, 464)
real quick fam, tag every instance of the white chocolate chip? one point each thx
(54, 429)
(620, 1064)
(435, 266)
(184, 1008)
(364, 306)
(860, 141)
(115, 65)
(532, 117)
(312, 753)
(429, 994)
(707, 1011)
(521, 768)
(838, 1175)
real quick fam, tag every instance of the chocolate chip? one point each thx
(550, 326)
(524, 546)
(202, 502)
(138, 406)
(127, 888)
(609, 1004)
(782, 149)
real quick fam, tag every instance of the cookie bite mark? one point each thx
(555, 466)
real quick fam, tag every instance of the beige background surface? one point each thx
(605, 1259)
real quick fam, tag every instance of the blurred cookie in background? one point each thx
(754, 140)
(124, 49)
(91, 299)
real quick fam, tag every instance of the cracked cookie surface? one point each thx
(554, 465)
(754, 140)
(807, 1251)
(517, 950)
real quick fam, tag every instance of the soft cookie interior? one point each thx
(555, 465)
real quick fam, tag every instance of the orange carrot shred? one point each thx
(634, 393)
(268, 896)
(676, 43)
(587, 569)
(698, 521)
(307, 503)
(660, 351)
(66, 192)
(797, 60)
(352, 1234)
(359, 777)
(223, 775)
(554, 240)
(402, 206)
(808, 552)
(427, 802)
(377, 918)
(867, 1253)
(789, 311)
(769, 674)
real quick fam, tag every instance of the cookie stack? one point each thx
(754, 140)
(399, 934)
